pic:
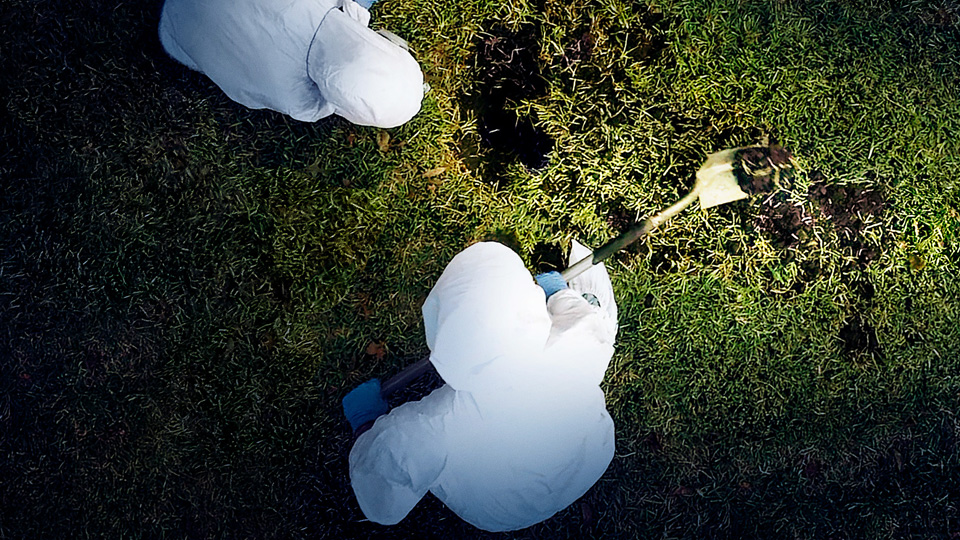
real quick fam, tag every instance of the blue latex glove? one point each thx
(367, 3)
(364, 403)
(551, 282)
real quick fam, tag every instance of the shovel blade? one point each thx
(716, 182)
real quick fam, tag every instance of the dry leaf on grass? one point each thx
(586, 511)
(377, 349)
(313, 169)
(432, 173)
(917, 262)
(383, 141)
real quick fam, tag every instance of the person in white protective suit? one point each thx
(304, 58)
(520, 429)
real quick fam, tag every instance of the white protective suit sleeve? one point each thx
(582, 335)
(395, 462)
(595, 281)
(484, 319)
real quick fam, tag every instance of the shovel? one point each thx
(716, 184)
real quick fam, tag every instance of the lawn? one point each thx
(188, 287)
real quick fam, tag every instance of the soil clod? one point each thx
(758, 168)
(859, 338)
(787, 224)
(580, 49)
(847, 206)
(850, 209)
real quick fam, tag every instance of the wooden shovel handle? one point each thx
(405, 377)
(628, 237)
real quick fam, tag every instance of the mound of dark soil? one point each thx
(763, 169)
(849, 208)
(785, 223)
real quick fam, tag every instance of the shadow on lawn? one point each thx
(112, 232)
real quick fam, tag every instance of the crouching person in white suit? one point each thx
(304, 58)
(520, 429)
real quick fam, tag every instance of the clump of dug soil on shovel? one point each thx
(759, 168)
(766, 169)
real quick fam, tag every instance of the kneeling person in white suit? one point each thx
(520, 429)
(304, 58)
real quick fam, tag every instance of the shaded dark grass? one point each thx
(148, 387)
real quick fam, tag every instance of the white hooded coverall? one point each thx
(304, 58)
(520, 430)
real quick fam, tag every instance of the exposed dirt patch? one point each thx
(664, 259)
(859, 338)
(786, 224)
(847, 206)
(619, 217)
(759, 169)
(943, 16)
(850, 209)
(637, 44)
(580, 49)
(765, 169)
(548, 258)
(509, 72)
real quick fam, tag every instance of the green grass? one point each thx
(188, 288)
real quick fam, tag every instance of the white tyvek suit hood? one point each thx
(521, 430)
(367, 79)
(304, 58)
(471, 349)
